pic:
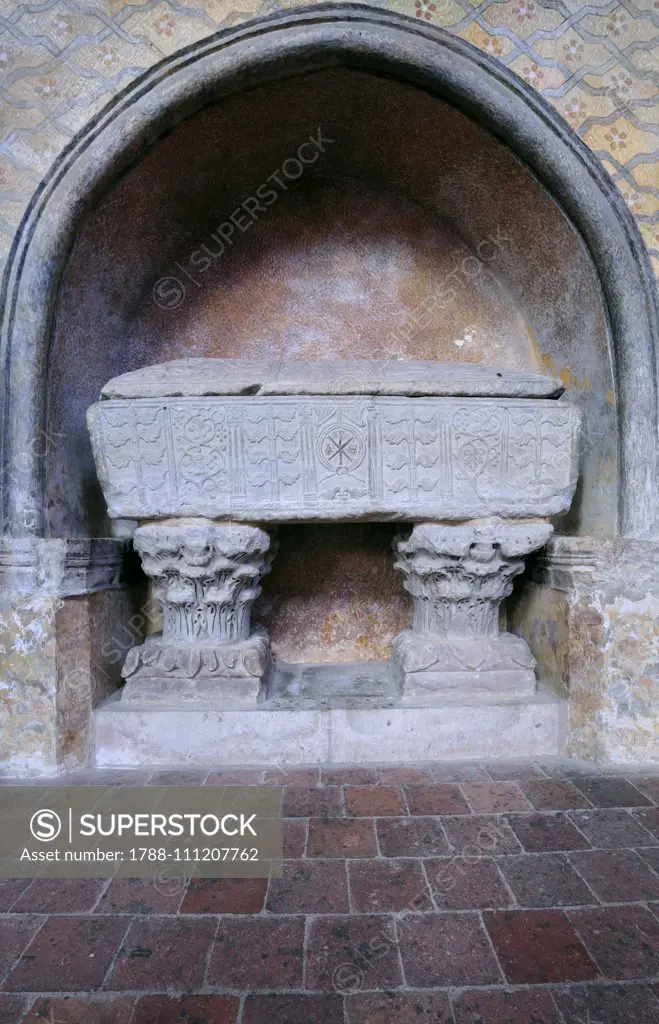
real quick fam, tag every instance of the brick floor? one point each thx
(497, 893)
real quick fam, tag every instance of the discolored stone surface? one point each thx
(538, 946)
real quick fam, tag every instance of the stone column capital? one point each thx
(206, 575)
(458, 575)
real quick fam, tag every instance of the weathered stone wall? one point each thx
(591, 617)
(69, 611)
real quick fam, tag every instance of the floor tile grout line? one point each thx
(495, 954)
(103, 890)
(399, 950)
(431, 893)
(584, 943)
(351, 910)
(583, 879)
(209, 954)
(378, 848)
(107, 995)
(241, 1008)
(117, 951)
(4, 977)
(559, 1012)
(514, 901)
(306, 939)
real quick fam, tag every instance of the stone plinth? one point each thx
(206, 577)
(458, 576)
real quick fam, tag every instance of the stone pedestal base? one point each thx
(471, 667)
(458, 575)
(129, 737)
(206, 577)
(228, 675)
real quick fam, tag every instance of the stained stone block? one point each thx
(324, 443)
(458, 576)
(206, 577)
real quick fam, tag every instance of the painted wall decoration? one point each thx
(62, 60)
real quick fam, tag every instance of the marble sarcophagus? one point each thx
(199, 457)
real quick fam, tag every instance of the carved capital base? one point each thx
(229, 676)
(458, 575)
(500, 666)
(206, 576)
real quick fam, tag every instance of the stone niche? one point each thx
(413, 235)
(351, 186)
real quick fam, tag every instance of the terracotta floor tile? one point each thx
(293, 1009)
(610, 828)
(15, 934)
(189, 1009)
(69, 954)
(374, 801)
(649, 785)
(441, 950)
(141, 896)
(439, 799)
(284, 776)
(384, 886)
(10, 890)
(545, 880)
(349, 777)
(310, 887)
(545, 833)
(459, 772)
(295, 837)
(650, 855)
(607, 1004)
(178, 777)
(617, 876)
(411, 837)
(623, 941)
(258, 953)
(225, 896)
(12, 1009)
(398, 1008)
(538, 946)
(460, 884)
(505, 1006)
(162, 954)
(495, 797)
(480, 836)
(236, 777)
(649, 820)
(567, 767)
(342, 837)
(553, 794)
(348, 954)
(502, 771)
(83, 1010)
(404, 776)
(60, 895)
(603, 791)
(311, 801)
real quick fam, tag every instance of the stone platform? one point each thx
(456, 729)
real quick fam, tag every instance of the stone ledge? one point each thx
(126, 737)
(625, 564)
(65, 567)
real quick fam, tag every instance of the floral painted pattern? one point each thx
(62, 60)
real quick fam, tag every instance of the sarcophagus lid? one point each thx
(331, 441)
